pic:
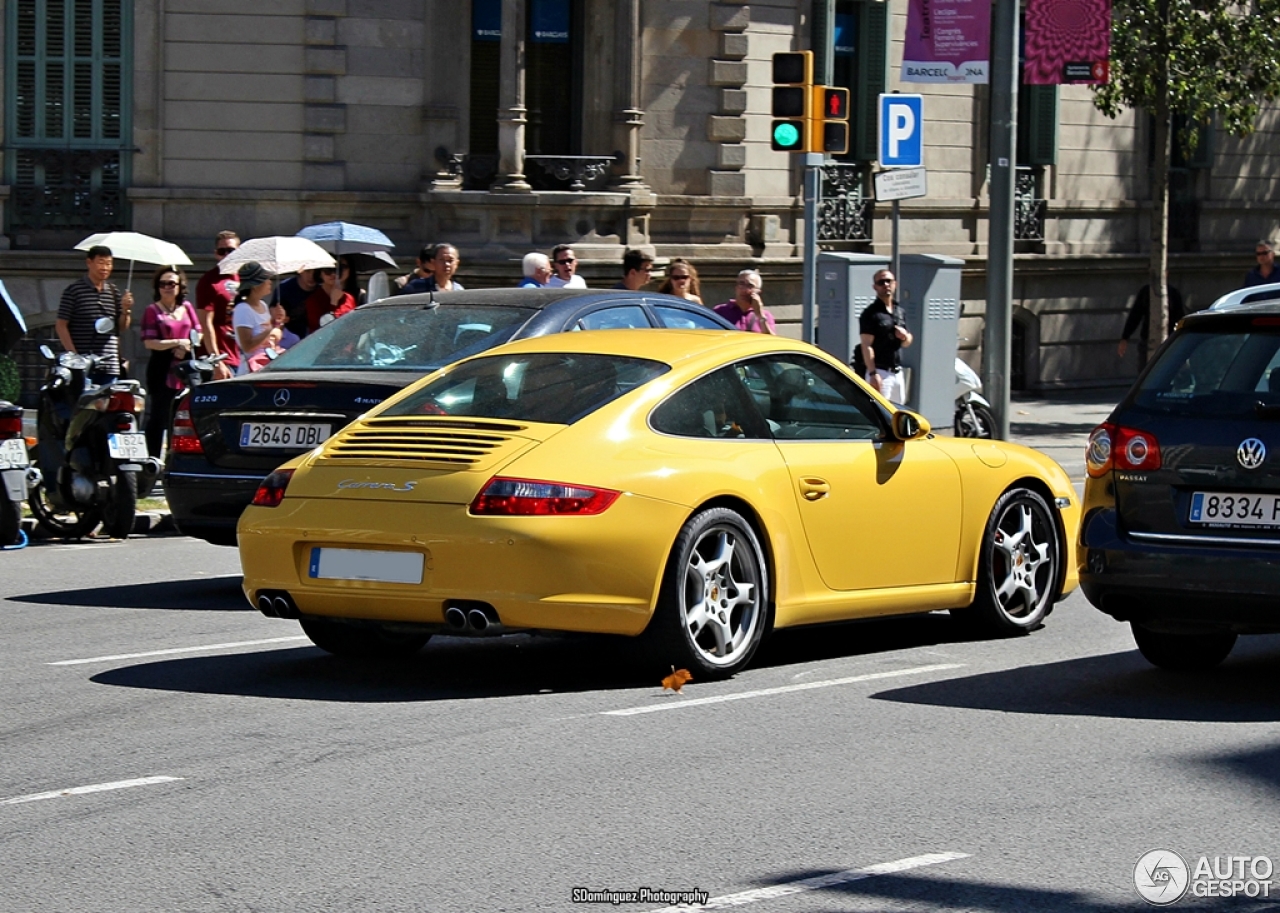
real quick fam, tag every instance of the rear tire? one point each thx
(360, 641)
(1019, 568)
(981, 424)
(65, 524)
(713, 607)
(10, 522)
(1195, 652)
(118, 516)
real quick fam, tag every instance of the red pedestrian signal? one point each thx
(835, 103)
(829, 124)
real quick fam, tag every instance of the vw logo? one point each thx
(282, 399)
(1251, 453)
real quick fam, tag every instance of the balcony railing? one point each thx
(63, 189)
(844, 210)
(1028, 205)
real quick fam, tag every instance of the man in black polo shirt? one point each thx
(83, 303)
(883, 332)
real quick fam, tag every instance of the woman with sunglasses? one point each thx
(166, 332)
(330, 300)
(682, 281)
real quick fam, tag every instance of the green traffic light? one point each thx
(786, 135)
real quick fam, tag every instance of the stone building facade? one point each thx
(505, 126)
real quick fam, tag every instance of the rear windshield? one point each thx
(555, 388)
(403, 338)
(1224, 373)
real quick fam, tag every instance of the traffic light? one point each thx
(792, 101)
(829, 125)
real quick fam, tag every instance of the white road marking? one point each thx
(818, 882)
(674, 703)
(170, 652)
(95, 788)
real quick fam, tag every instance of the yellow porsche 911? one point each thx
(693, 489)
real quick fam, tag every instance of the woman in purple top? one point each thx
(166, 332)
(747, 311)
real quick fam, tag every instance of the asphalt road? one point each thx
(883, 766)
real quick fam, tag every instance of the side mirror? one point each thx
(195, 336)
(47, 353)
(908, 426)
(326, 319)
(104, 325)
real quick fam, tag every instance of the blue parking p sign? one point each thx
(901, 131)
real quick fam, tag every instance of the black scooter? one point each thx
(16, 473)
(90, 450)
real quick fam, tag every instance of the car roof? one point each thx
(1245, 297)
(671, 346)
(537, 298)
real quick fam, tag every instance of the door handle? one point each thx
(814, 489)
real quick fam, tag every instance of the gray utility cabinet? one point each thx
(929, 294)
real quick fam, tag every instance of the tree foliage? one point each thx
(1211, 61)
(1202, 58)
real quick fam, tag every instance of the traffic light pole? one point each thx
(812, 192)
(1004, 123)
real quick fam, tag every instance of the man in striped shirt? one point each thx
(87, 300)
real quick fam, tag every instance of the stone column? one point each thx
(628, 115)
(511, 109)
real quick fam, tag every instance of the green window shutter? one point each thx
(873, 78)
(1038, 125)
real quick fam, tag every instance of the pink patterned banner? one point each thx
(947, 41)
(1067, 41)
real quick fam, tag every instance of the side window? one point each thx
(806, 399)
(616, 318)
(680, 319)
(712, 406)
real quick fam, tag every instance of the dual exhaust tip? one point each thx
(277, 604)
(465, 618)
(473, 618)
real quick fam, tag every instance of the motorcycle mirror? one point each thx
(104, 325)
(47, 352)
(326, 319)
(195, 338)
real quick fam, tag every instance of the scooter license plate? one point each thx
(13, 454)
(127, 446)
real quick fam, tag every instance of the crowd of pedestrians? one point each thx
(248, 316)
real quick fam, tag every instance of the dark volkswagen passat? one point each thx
(227, 436)
(1181, 530)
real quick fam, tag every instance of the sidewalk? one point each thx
(1059, 424)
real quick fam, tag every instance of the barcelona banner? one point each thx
(1066, 41)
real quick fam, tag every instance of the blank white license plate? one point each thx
(127, 446)
(254, 435)
(366, 564)
(1209, 508)
(13, 453)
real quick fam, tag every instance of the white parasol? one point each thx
(278, 254)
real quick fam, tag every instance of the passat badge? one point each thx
(1251, 453)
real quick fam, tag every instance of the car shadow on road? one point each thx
(448, 668)
(1118, 685)
(204, 594)
(905, 891)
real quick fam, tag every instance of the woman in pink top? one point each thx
(166, 332)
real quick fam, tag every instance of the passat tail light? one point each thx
(271, 492)
(1114, 446)
(122, 401)
(529, 498)
(182, 436)
(10, 426)
(1135, 450)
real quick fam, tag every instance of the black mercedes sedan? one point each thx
(1181, 527)
(228, 435)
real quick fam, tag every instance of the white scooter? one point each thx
(973, 413)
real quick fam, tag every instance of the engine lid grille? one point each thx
(458, 443)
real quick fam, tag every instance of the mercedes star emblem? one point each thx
(282, 399)
(1251, 453)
